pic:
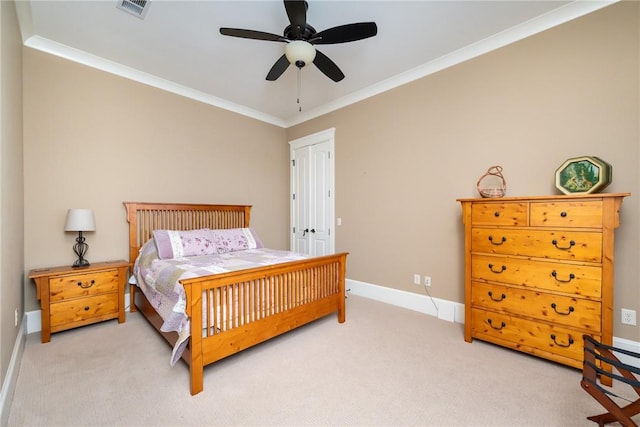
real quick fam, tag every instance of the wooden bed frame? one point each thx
(299, 292)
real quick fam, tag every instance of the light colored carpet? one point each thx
(386, 366)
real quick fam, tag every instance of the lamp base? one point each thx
(81, 263)
(80, 248)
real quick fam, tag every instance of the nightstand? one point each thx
(72, 297)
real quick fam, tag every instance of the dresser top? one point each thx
(558, 197)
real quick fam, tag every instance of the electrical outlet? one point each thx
(427, 280)
(416, 279)
(628, 317)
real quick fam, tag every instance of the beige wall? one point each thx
(93, 140)
(404, 156)
(11, 184)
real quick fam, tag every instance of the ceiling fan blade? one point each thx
(345, 33)
(278, 68)
(297, 13)
(251, 34)
(328, 67)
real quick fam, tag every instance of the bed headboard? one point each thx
(145, 217)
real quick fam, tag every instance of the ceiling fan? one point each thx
(301, 38)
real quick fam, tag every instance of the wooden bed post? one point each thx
(342, 310)
(133, 251)
(193, 292)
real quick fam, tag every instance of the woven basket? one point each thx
(492, 183)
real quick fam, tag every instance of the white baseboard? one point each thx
(449, 310)
(442, 309)
(628, 345)
(11, 379)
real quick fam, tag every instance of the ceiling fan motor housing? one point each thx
(307, 34)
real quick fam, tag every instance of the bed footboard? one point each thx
(240, 309)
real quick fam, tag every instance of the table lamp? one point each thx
(80, 220)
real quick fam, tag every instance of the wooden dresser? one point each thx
(539, 272)
(71, 297)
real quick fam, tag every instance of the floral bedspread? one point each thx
(159, 281)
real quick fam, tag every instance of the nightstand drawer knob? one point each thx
(86, 308)
(86, 285)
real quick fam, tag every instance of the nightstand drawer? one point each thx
(81, 285)
(567, 214)
(82, 309)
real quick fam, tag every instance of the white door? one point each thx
(312, 194)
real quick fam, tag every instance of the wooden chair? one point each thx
(596, 354)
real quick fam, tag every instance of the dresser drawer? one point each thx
(499, 214)
(551, 244)
(82, 309)
(79, 285)
(579, 280)
(567, 214)
(527, 335)
(568, 311)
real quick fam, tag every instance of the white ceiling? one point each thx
(178, 46)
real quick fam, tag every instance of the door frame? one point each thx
(328, 136)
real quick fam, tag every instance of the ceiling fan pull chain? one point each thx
(299, 89)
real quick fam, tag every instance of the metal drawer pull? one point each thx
(497, 328)
(496, 214)
(553, 337)
(555, 276)
(563, 214)
(566, 313)
(86, 308)
(503, 296)
(87, 284)
(504, 267)
(571, 243)
(504, 239)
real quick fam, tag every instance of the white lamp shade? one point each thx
(300, 50)
(80, 220)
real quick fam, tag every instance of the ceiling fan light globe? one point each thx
(300, 53)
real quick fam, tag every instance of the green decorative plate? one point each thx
(583, 175)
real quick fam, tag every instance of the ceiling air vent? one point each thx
(137, 8)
